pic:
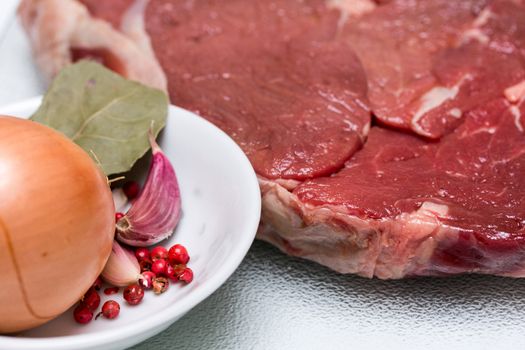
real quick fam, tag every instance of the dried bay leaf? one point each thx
(103, 113)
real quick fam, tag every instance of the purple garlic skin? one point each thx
(156, 212)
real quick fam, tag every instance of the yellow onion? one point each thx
(57, 222)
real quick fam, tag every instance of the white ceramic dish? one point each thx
(221, 209)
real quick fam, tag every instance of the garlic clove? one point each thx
(122, 268)
(156, 212)
(119, 199)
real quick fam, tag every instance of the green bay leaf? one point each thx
(105, 114)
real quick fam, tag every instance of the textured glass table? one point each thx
(278, 302)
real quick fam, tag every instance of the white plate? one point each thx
(221, 209)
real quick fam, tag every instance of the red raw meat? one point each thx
(429, 62)
(436, 208)
(436, 187)
(296, 104)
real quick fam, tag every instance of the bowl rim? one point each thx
(152, 322)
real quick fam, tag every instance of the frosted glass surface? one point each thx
(277, 302)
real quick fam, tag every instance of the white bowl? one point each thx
(221, 209)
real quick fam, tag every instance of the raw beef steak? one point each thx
(436, 187)
(296, 104)
(420, 208)
(429, 62)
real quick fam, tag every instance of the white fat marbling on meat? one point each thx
(350, 8)
(288, 184)
(336, 100)
(349, 125)
(455, 112)
(456, 174)
(50, 25)
(475, 32)
(516, 113)
(308, 232)
(366, 129)
(56, 26)
(489, 130)
(132, 25)
(482, 18)
(515, 92)
(432, 99)
(389, 248)
(433, 209)
(334, 109)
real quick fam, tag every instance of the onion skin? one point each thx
(56, 223)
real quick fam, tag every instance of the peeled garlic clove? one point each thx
(155, 213)
(122, 268)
